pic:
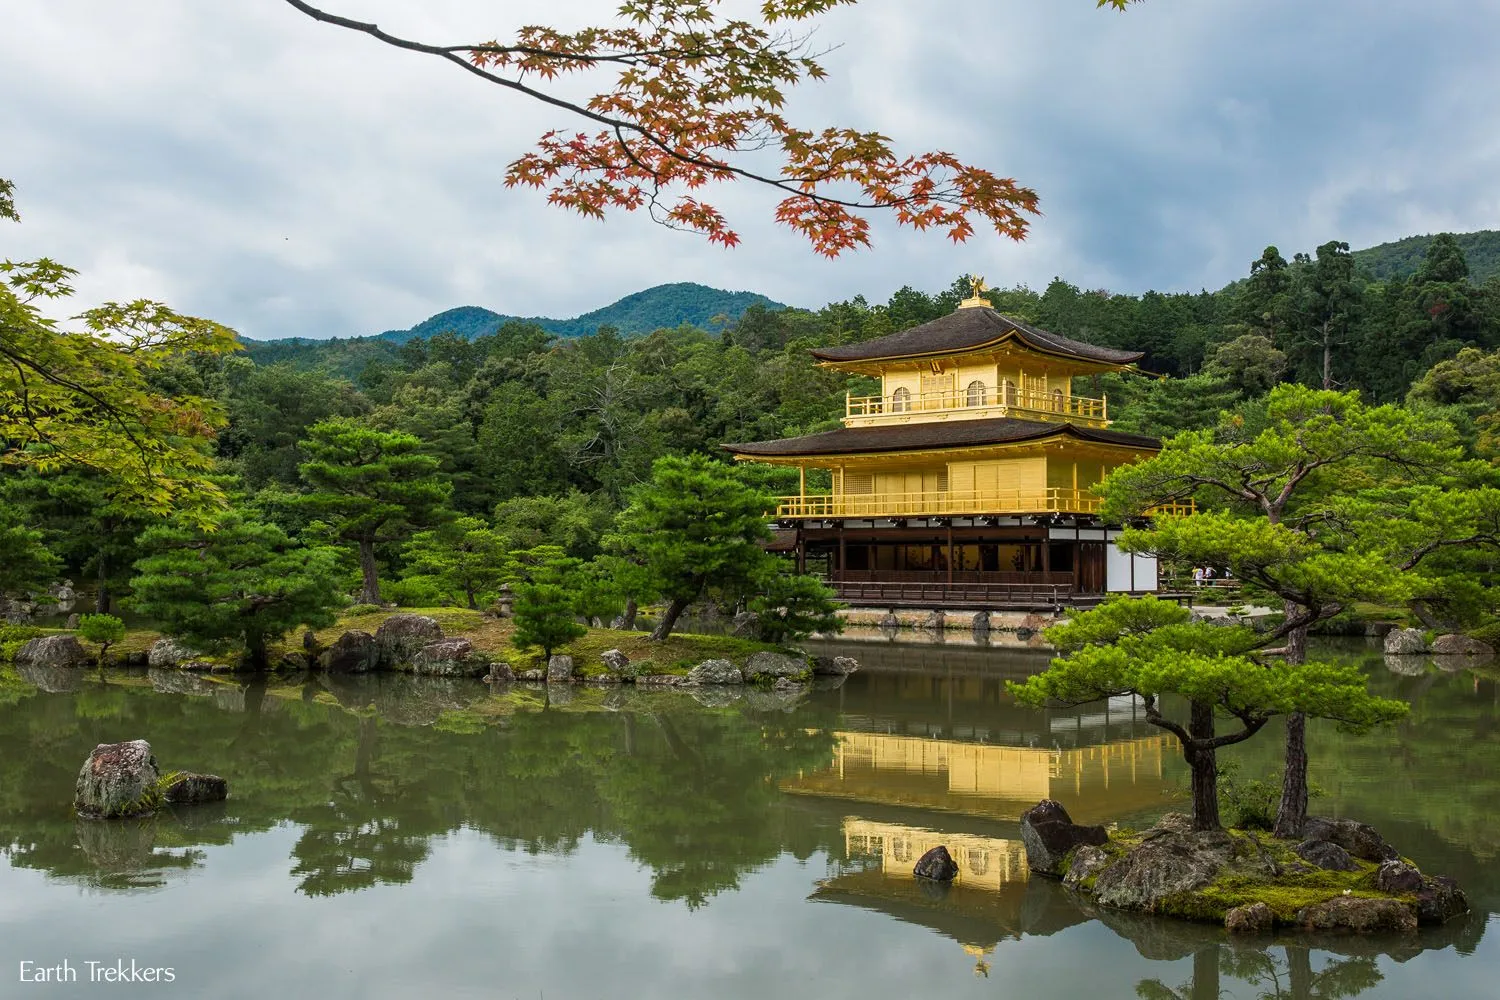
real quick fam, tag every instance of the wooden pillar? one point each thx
(801, 551)
(802, 484)
(1046, 556)
(843, 563)
(950, 551)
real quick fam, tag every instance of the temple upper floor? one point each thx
(975, 363)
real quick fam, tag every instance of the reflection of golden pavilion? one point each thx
(1096, 783)
(983, 862)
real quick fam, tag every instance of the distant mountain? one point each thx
(1401, 258)
(661, 306)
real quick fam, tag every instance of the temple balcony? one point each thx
(975, 403)
(959, 503)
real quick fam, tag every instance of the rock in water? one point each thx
(774, 665)
(1398, 877)
(834, 666)
(188, 788)
(500, 673)
(1163, 866)
(1359, 839)
(937, 864)
(1087, 862)
(1459, 645)
(1358, 914)
(714, 672)
(450, 658)
(1440, 900)
(118, 781)
(400, 637)
(354, 652)
(1049, 833)
(746, 625)
(616, 662)
(1326, 854)
(171, 653)
(1404, 641)
(54, 651)
(1253, 918)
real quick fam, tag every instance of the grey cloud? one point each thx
(288, 178)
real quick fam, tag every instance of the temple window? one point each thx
(901, 400)
(975, 393)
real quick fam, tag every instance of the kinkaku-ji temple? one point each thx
(966, 483)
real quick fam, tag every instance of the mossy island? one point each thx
(1342, 876)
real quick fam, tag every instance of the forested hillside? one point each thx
(1402, 258)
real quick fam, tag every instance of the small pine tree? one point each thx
(794, 606)
(464, 556)
(106, 630)
(544, 618)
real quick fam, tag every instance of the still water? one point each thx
(384, 841)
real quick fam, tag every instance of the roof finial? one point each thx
(977, 288)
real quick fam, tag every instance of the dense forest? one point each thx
(540, 439)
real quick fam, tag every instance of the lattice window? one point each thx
(859, 482)
(974, 394)
(901, 400)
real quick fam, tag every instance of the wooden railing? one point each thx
(1054, 500)
(1003, 400)
(952, 595)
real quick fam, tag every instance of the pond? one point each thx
(384, 839)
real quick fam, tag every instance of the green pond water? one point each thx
(386, 839)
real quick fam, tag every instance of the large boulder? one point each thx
(450, 658)
(714, 672)
(617, 664)
(1162, 866)
(1359, 839)
(187, 788)
(1405, 641)
(746, 625)
(1049, 835)
(354, 652)
(1460, 645)
(1358, 914)
(774, 665)
(834, 666)
(937, 864)
(1399, 878)
(559, 669)
(1440, 900)
(500, 673)
(172, 653)
(400, 637)
(54, 651)
(1087, 862)
(1252, 918)
(1326, 854)
(118, 781)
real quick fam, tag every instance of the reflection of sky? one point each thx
(479, 920)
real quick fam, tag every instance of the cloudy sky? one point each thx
(289, 178)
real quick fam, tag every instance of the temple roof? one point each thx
(935, 434)
(971, 329)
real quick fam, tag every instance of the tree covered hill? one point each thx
(660, 307)
(1399, 259)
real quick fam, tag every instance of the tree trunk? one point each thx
(669, 618)
(1429, 618)
(627, 620)
(255, 652)
(1327, 359)
(1205, 765)
(101, 600)
(469, 592)
(1291, 814)
(371, 592)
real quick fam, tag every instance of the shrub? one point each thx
(1488, 633)
(414, 592)
(106, 630)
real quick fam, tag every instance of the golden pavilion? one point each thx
(966, 481)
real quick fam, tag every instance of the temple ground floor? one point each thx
(1026, 561)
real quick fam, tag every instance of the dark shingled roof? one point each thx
(966, 329)
(944, 434)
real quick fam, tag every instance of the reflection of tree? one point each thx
(1293, 977)
(1288, 978)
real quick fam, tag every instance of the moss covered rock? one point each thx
(118, 781)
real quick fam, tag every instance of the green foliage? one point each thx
(544, 617)
(371, 486)
(793, 606)
(1488, 633)
(106, 630)
(240, 581)
(414, 592)
(463, 557)
(692, 526)
(25, 561)
(91, 397)
(1118, 616)
(13, 637)
(1403, 258)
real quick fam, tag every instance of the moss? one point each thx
(462, 722)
